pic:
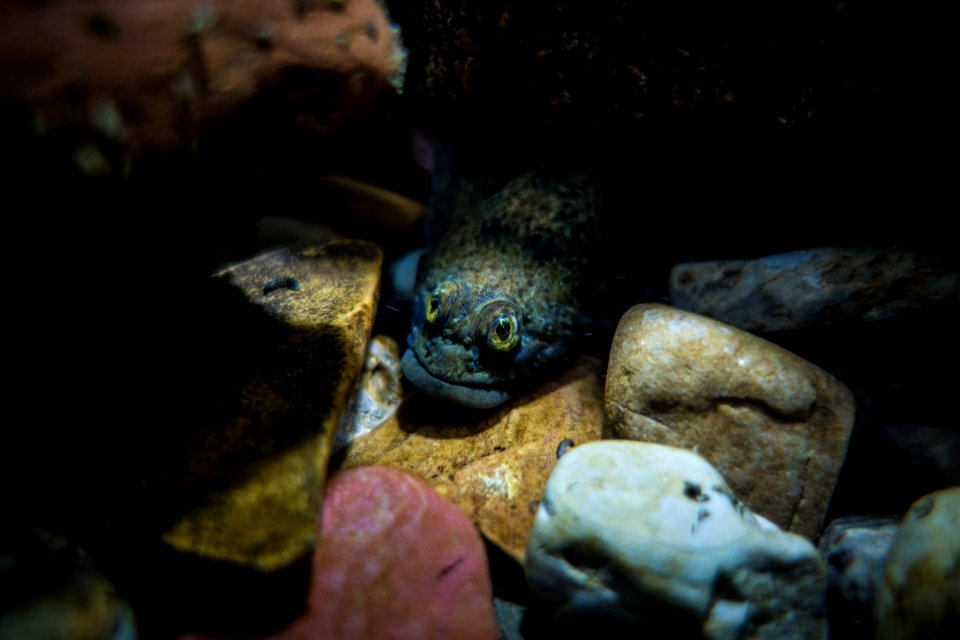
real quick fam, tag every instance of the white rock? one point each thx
(644, 533)
(377, 394)
(919, 596)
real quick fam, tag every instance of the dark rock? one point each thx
(540, 68)
(51, 589)
(890, 463)
(855, 549)
(820, 286)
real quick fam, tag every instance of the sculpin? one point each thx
(498, 299)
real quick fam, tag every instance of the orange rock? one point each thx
(153, 75)
(494, 466)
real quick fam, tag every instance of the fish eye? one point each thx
(504, 333)
(500, 327)
(439, 302)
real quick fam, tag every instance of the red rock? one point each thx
(397, 561)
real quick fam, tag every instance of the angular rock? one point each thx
(493, 466)
(819, 286)
(254, 460)
(919, 596)
(378, 392)
(396, 561)
(122, 79)
(855, 549)
(775, 425)
(51, 589)
(651, 536)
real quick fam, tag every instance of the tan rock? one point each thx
(311, 313)
(919, 594)
(494, 466)
(775, 425)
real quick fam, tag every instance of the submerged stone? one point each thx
(651, 537)
(493, 466)
(254, 461)
(774, 424)
(919, 595)
(819, 286)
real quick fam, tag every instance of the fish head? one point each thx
(471, 344)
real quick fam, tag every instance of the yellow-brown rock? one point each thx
(256, 461)
(775, 425)
(494, 466)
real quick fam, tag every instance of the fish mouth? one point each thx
(474, 397)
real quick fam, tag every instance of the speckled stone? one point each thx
(774, 424)
(651, 536)
(855, 549)
(377, 395)
(820, 286)
(492, 465)
(919, 596)
(298, 355)
(128, 78)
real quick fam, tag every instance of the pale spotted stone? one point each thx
(652, 535)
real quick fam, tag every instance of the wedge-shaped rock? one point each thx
(254, 459)
(774, 424)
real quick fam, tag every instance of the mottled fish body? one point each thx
(498, 299)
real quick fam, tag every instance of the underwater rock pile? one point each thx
(242, 459)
